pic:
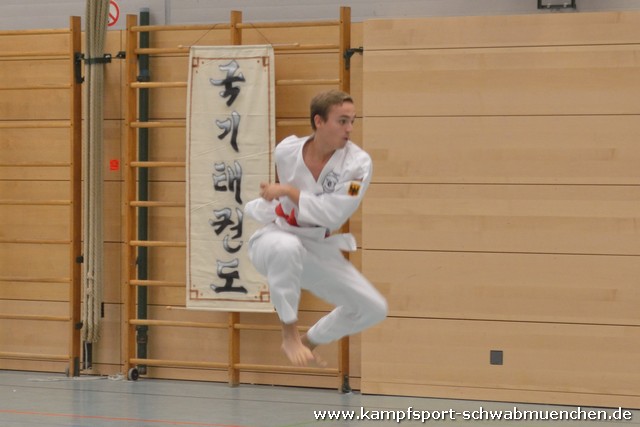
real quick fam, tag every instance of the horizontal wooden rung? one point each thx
(166, 283)
(35, 165)
(195, 27)
(154, 85)
(35, 241)
(162, 50)
(290, 24)
(292, 369)
(36, 87)
(296, 82)
(173, 124)
(158, 164)
(151, 204)
(293, 122)
(35, 124)
(181, 324)
(36, 202)
(306, 47)
(256, 327)
(32, 356)
(38, 32)
(155, 243)
(36, 279)
(34, 317)
(178, 363)
(33, 54)
(184, 50)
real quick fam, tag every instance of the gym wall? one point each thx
(501, 219)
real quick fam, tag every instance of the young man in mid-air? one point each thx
(323, 178)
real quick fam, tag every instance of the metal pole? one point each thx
(143, 189)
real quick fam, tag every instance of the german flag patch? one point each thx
(354, 188)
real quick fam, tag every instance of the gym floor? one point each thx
(29, 399)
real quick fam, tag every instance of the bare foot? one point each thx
(293, 348)
(297, 353)
(316, 357)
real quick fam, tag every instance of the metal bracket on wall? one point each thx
(346, 388)
(105, 59)
(77, 67)
(349, 53)
(557, 5)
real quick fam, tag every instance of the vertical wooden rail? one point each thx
(75, 180)
(345, 44)
(345, 85)
(234, 349)
(236, 31)
(128, 291)
(234, 317)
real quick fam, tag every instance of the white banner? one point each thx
(230, 138)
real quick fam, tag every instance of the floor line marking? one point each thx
(100, 417)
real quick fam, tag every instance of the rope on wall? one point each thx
(95, 33)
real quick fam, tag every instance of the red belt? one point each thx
(291, 218)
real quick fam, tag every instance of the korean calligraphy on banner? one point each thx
(230, 136)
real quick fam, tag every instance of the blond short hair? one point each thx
(322, 103)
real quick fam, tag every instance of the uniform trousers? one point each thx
(291, 263)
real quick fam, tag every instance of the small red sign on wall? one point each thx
(114, 164)
(114, 13)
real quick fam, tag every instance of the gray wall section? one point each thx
(33, 14)
(36, 14)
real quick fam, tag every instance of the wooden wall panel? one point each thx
(35, 222)
(34, 72)
(507, 286)
(503, 208)
(505, 149)
(45, 43)
(39, 191)
(35, 88)
(12, 290)
(34, 260)
(43, 104)
(38, 146)
(29, 336)
(35, 173)
(503, 81)
(502, 218)
(34, 146)
(503, 31)
(578, 361)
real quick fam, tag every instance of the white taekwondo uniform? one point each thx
(295, 251)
